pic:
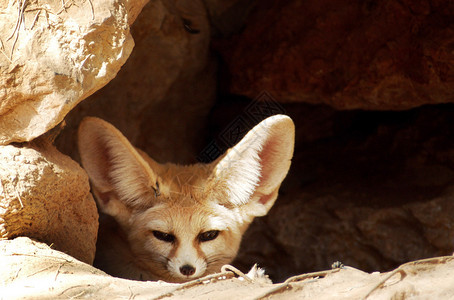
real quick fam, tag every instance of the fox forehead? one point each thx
(183, 184)
(186, 202)
(190, 220)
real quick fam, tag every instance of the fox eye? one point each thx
(208, 235)
(166, 237)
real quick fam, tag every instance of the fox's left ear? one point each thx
(249, 175)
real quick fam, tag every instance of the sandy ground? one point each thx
(32, 270)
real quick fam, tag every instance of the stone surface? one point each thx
(375, 55)
(162, 95)
(227, 17)
(31, 269)
(45, 195)
(53, 57)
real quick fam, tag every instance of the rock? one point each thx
(31, 268)
(228, 16)
(374, 55)
(46, 196)
(162, 95)
(53, 57)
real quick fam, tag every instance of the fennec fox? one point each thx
(177, 223)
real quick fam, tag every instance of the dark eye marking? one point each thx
(208, 235)
(165, 237)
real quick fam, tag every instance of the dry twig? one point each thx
(92, 10)
(64, 7)
(58, 270)
(20, 19)
(42, 270)
(19, 198)
(75, 287)
(17, 273)
(38, 256)
(17, 22)
(35, 19)
(226, 268)
(131, 295)
(196, 282)
(402, 271)
(2, 49)
(310, 275)
(286, 284)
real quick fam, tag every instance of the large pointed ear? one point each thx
(121, 179)
(249, 174)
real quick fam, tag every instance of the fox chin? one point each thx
(178, 223)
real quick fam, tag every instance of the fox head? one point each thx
(183, 222)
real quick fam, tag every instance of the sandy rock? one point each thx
(55, 57)
(31, 270)
(375, 55)
(45, 195)
(56, 275)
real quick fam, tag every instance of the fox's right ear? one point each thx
(121, 179)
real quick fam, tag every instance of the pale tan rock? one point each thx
(31, 270)
(45, 195)
(55, 57)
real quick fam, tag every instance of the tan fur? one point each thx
(139, 196)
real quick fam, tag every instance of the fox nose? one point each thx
(187, 270)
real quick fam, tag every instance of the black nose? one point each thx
(187, 270)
